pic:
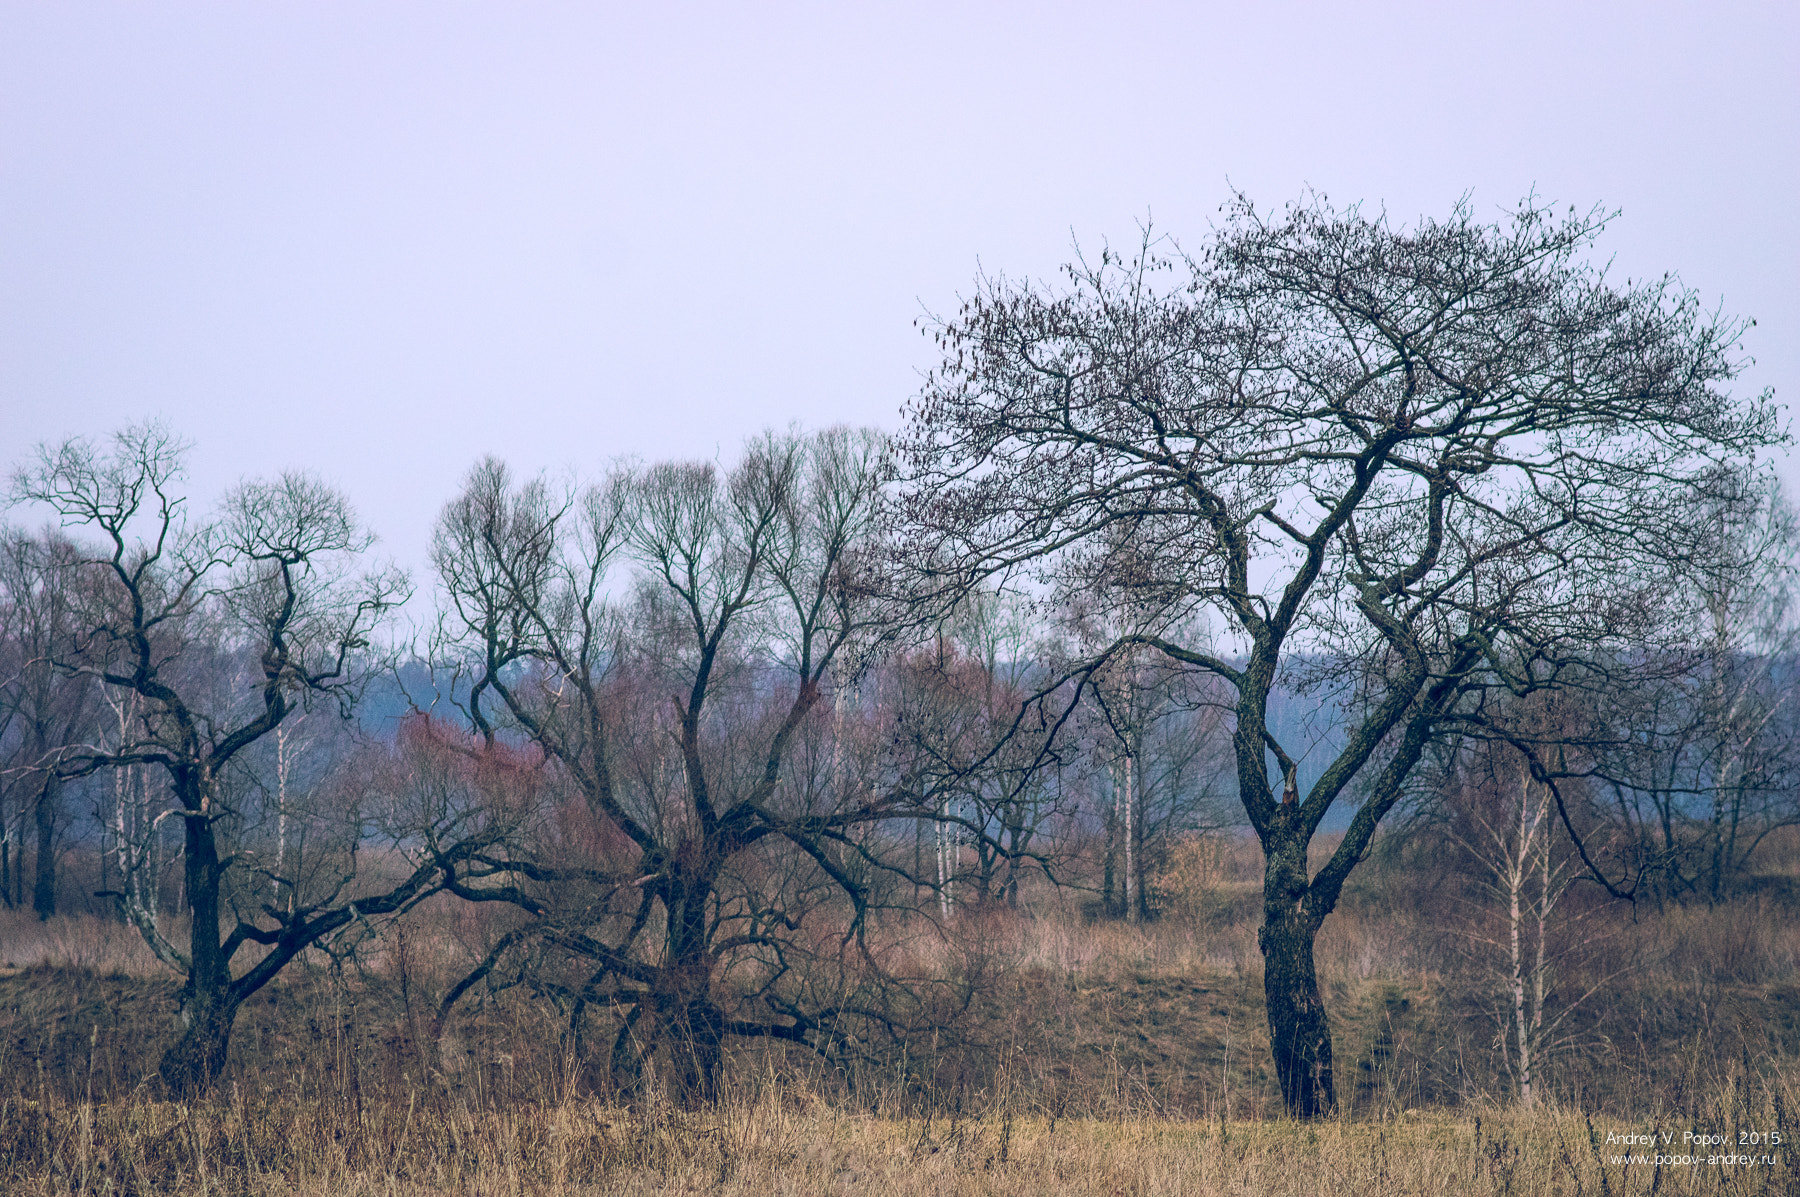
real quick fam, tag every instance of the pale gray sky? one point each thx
(379, 240)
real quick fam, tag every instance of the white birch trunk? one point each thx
(946, 863)
(1130, 825)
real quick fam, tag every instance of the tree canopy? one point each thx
(1447, 461)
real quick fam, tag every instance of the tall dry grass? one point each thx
(777, 1140)
(78, 941)
(1092, 1057)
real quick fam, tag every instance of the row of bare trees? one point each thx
(678, 772)
(728, 740)
(696, 776)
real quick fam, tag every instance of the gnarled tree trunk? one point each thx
(1299, 1033)
(192, 1064)
(208, 1005)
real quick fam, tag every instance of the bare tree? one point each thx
(1416, 463)
(1749, 758)
(1701, 753)
(1499, 808)
(965, 730)
(1157, 732)
(666, 640)
(170, 610)
(1126, 701)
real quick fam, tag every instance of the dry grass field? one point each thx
(1098, 1058)
(781, 1141)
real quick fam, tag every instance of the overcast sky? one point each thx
(380, 240)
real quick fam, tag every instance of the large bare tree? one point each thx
(1416, 463)
(168, 612)
(672, 640)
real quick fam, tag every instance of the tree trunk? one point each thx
(1015, 845)
(946, 866)
(1518, 982)
(918, 869)
(192, 1064)
(1109, 866)
(686, 1029)
(43, 889)
(208, 1006)
(679, 1023)
(1127, 806)
(1299, 1034)
(6, 855)
(629, 1049)
(696, 1050)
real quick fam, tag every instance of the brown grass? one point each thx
(772, 1141)
(1097, 1058)
(74, 941)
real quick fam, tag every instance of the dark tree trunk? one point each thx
(208, 1004)
(43, 889)
(696, 1051)
(679, 1025)
(629, 1049)
(1299, 1034)
(676, 1023)
(693, 1027)
(192, 1064)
